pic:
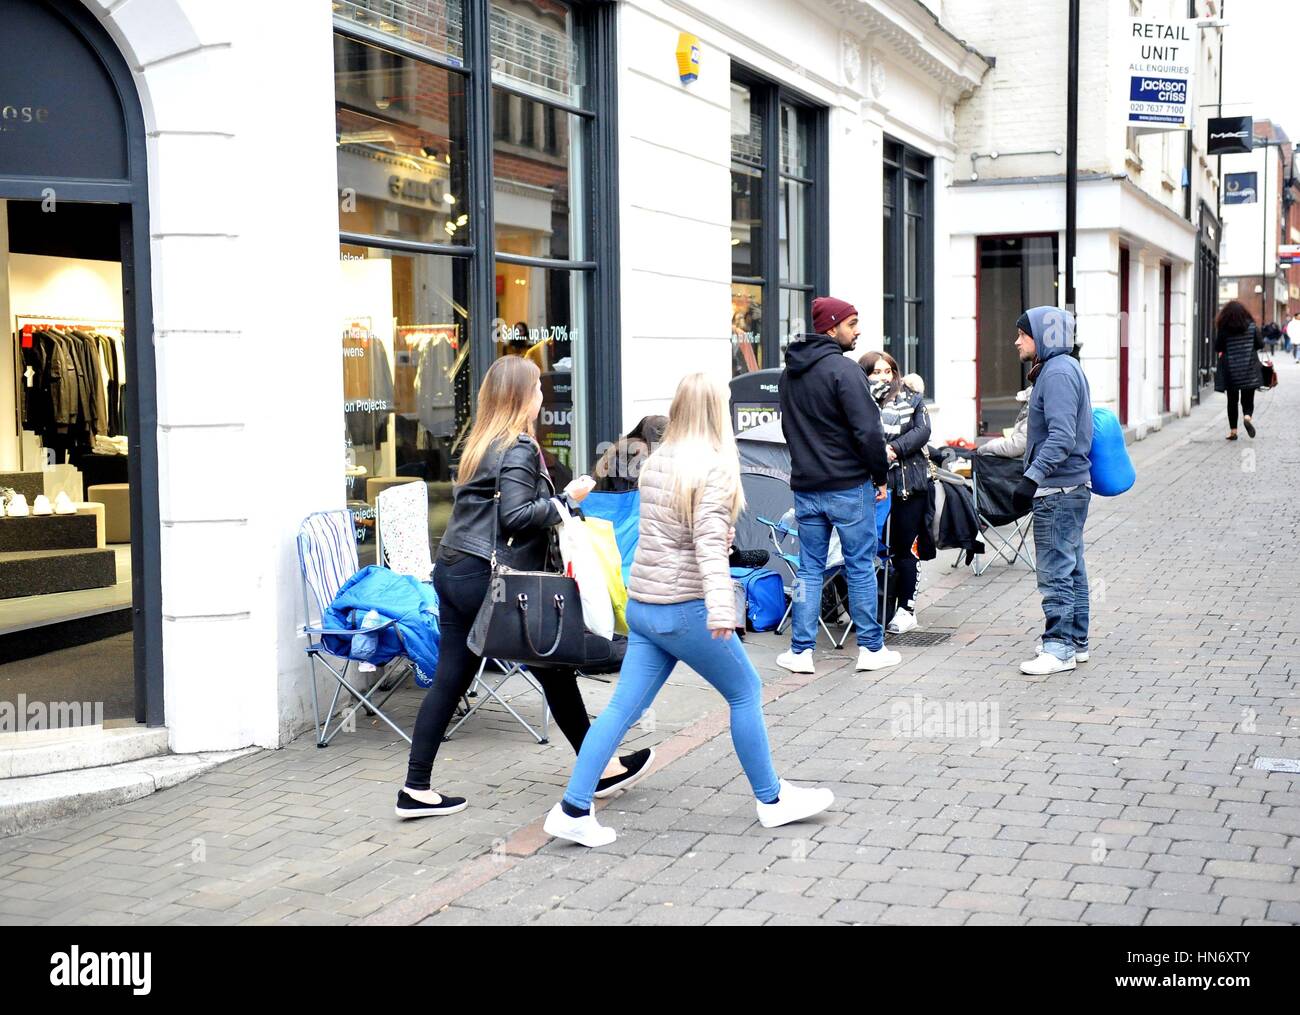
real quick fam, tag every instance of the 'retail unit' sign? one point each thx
(1161, 59)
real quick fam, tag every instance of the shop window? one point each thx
(908, 260)
(402, 158)
(422, 318)
(778, 245)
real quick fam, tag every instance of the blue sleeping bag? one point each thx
(1112, 469)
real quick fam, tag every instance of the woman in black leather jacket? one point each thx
(501, 451)
(906, 423)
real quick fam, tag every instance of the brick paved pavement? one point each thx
(1121, 793)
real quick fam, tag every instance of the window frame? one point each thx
(894, 270)
(773, 95)
(595, 35)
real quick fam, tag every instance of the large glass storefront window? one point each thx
(778, 235)
(421, 317)
(908, 259)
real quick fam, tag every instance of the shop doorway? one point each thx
(80, 589)
(1013, 273)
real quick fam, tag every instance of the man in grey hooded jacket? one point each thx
(1056, 484)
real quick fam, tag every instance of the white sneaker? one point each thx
(1079, 657)
(877, 660)
(904, 621)
(18, 506)
(42, 506)
(1044, 664)
(794, 803)
(797, 662)
(63, 504)
(586, 830)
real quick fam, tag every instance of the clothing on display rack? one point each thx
(367, 387)
(72, 386)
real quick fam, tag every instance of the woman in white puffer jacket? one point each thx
(681, 607)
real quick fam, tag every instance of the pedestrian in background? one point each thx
(906, 425)
(1293, 337)
(1057, 484)
(1271, 334)
(682, 608)
(1236, 343)
(838, 470)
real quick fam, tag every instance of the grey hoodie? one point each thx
(1060, 405)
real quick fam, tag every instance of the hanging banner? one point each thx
(1161, 58)
(1239, 188)
(1230, 135)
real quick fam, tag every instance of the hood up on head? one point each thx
(1053, 331)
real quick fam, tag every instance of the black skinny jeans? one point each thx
(1247, 404)
(905, 520)
(461, 587)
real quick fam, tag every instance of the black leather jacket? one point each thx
(907, 428)
(527, 511)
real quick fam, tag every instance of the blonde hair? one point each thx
(700, 440)
(504, 401)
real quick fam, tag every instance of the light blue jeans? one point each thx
(1062, 578)
(658, 637)
(851, 513)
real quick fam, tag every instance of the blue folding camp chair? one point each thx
(327, 555)
(785, 534)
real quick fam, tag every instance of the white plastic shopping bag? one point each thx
(583, 563)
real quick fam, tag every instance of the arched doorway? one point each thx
(80, 589)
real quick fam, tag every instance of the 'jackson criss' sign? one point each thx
(1161, 56)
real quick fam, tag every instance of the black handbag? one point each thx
(529, 617)
(1220, 376)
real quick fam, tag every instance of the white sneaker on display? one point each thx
(18, 506)
(795, 803)
(877, 660)
(1044, 665)
(904, 621)
(41, 506)
(586, 830)
(797, 662)
(63, 504)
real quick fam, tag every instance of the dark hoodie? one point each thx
(1060, 405)
(830, 423)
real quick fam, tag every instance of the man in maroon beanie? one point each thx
(838, 466)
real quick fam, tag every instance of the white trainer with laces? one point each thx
(904, 621)
(586, 830)
(1045, 664)
(794, 803)
(877, 660)
(797, 662)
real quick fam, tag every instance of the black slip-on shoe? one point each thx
(409, 807)
(638, 765)
(1250, 427)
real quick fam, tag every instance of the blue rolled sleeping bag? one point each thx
(1112, 469)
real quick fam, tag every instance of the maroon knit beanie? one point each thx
(828, 312)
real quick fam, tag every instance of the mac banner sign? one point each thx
(1230, 135)
(1161, 56)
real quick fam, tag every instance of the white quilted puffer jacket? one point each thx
(676, 562)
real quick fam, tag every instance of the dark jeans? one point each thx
(905, 520)
(1062, 578)
(1247, 404)
(461, 587)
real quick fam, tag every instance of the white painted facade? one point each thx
(1131, 194)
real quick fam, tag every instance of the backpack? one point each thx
(1111, 469)
(764, 596)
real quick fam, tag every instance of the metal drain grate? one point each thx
(1291, 766)
(917, 639)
